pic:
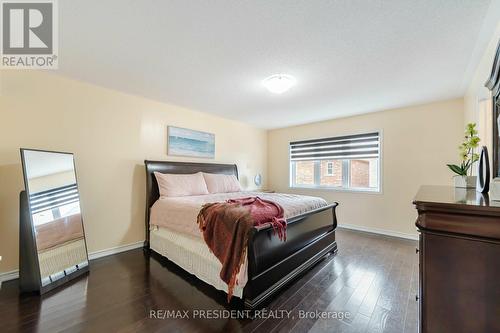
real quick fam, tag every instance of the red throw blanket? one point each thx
(226, 227)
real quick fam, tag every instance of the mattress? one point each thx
(180, 213)
(192, 254)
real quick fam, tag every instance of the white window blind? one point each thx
(359, 146)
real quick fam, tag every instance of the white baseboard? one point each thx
(379, 231)
(7, 276)
(115, 250)
(12, 275)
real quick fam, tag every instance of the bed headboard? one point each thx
(152, 193)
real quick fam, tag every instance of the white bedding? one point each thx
(180, 213)
(192, 254)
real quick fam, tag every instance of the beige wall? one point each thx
(417, 142)
(477, 97)
(111, 134)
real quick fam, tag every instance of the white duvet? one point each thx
(180, 213)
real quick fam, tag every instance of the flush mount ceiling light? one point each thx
(279, 83)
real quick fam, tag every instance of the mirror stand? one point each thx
(29, 274)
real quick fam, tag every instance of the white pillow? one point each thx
(174, 185)
(218, 183)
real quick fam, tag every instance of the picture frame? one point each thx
(190, 143)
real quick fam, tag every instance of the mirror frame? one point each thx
(493, 84)
(26, 214)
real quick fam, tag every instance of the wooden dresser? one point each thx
(459, 254)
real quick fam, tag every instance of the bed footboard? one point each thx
(273, 263)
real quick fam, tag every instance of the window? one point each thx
(345, 162)
(329, 168)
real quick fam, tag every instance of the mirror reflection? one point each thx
(55, 211)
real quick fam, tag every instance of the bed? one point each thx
(270, 263)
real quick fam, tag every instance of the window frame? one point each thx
(345, 172)
(329, 169)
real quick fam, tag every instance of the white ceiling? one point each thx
(349, 57)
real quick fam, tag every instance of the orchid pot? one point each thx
(465, 181)
(463, 172)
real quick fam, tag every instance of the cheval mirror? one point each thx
(52, 239)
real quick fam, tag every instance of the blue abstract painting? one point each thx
(186, 142)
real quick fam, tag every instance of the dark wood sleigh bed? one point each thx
(271, 263)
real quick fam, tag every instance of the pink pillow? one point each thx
(217, 183)
(174, 185)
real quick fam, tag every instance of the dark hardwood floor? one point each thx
(373, 278)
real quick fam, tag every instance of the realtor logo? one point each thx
(29, 34)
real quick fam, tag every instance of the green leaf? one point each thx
(457, 169)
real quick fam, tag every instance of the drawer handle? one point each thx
(417, 250)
